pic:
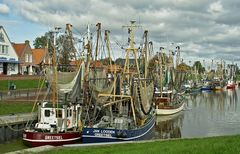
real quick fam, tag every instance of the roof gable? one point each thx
(19, 48)
(6, 41)
(38, 55)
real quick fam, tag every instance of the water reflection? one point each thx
(169, 126)
(206, 114)
(220, 101)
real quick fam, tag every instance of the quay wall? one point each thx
(12, 126)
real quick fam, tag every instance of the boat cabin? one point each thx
(60, 118)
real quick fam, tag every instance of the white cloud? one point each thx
(4, 9)
(215, 7)
(206, 28)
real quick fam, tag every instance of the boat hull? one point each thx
(165, 111)
(35, 139)
(193, 90)
(231, 86)
(97, 135)
(206, 88)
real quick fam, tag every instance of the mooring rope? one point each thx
(10, 127)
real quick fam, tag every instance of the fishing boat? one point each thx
(168, 101)
(219, 81)
(207, 85)
(59, 118)
(231, 84)
(218, 85)
(169, 104)
(124, 112)
(195, 84)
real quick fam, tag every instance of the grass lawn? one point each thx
(12, 146)
(20, 84)
(218, 145)
(15, 107)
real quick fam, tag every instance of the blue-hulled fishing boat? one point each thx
(124, 112)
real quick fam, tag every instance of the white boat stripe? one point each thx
(31, 140)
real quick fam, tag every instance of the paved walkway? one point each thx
(33, 150)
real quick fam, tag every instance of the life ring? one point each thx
(68, 122)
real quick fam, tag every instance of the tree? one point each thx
(40, 42)
(183, 67)
(200, 69)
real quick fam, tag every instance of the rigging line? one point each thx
(88, 108)
(35, 101)
(101, 47)
(76, 30)
(111, 52)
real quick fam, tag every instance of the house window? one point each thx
(6, 49)
(12, 67)
(3, 48)
(1, 67)
(26, 57)
(29, 58)
(1, 37)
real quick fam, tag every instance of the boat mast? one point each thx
(88, 46)
(54, 60)
(73, 49)
(98, 35)
(178, 56)
(131, 48)
(161, 70)
(108, 46)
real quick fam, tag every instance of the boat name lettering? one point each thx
(108, 131)
(102, 135)
(53, 138)
(95, 131)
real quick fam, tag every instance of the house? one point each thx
(41, 58)
(8, 57)
(24, 53)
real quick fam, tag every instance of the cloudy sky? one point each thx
(204, 29)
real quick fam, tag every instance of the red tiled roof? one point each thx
(38, 55)
(19, 48)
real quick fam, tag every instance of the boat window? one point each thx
(69, 112)
(47, 113)
(59, 114)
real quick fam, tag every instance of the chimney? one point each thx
(27, 42)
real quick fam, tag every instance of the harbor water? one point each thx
(206, 114)
(212, 113)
